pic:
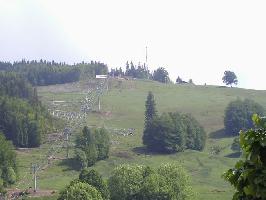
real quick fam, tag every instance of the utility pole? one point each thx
(67, 145)
(146, 55)
(34, 169)
(99, 104)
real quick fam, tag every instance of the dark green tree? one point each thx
(195, 134)
(248, 176)
(47, 73)
(238, 115)
(19, 122)
(230, 78)
(166, 134)
(161, 75)
(93, 178)
(102, 142)
(150, 114)
(86, 143)
(150, 105)
(8, 163)
(178, 80)
(92, 145)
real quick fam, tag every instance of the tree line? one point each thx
(48, 73)
(141, 72)
(171, 132)
(135, 71)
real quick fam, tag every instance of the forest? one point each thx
(43, 72)
(23, 119)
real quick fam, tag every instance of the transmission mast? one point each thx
(146, 55)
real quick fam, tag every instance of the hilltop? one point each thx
(123, 108)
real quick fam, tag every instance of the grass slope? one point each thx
(123, 107)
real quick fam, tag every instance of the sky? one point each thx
(190, 38)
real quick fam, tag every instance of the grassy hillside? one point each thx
(123, 107)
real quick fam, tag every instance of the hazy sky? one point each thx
(197, 39)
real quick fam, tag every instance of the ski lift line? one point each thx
(91, 97)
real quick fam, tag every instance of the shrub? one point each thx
(168, 182)
(238, 115)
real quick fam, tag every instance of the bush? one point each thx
(195, 134)
(126, 181)
(168, 182)
(238, 115)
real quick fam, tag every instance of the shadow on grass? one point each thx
(233, 155)
(218, 134)
(71, 164)
(144, 151)
(140, 150)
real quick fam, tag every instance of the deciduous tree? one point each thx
(161, 75)
(230, 78)
(248, 175)
(238, 115)
(80, 191)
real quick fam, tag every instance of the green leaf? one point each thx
(249, 190)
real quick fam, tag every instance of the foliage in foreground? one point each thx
(8, 164)
(238, 115)
(93, 178)
(249, 175)
(92, 145)
(168, 182)
(132, 182)
(80, 191)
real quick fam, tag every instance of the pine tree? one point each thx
(150, 114)
(87, 144)
(151, 111)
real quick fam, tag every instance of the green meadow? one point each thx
(123, 107)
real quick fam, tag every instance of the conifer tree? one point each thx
(151, 111)
(150, 114)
